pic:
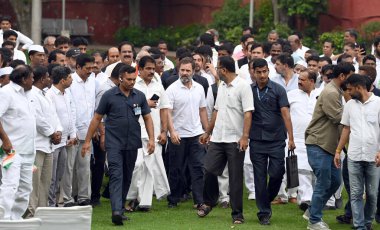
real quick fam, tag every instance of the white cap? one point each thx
(37, 48)
(301, 62)
(5, 71)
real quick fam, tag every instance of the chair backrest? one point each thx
(78, 217)
(27, 224)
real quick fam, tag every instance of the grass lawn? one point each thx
(184, 217)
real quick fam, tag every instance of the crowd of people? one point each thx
(220, 117)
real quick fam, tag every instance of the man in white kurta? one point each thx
(302, 102)
(149, 173)
(17, 132)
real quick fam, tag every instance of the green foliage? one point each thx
(335, 36)
(310, 9)
(369, 31)
(263, 19)
(230, 18)
(174, 36)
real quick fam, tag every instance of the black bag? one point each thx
(292, 170)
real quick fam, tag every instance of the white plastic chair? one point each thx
(27, 224)
(61, 218)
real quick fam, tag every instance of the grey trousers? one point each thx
(58, 167)
(82, 172)
(41, 181)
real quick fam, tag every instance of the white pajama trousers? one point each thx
(149, 176)
(16, 186)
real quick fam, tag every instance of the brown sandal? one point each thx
(238, 220)
(204, 210)
(132, 205)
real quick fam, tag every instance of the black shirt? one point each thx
(376, 91)
(267, 121)
(123, 131)
(242, 61)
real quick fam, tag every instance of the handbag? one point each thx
(292, 169)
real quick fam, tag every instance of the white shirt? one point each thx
(19, 55)
(109, 68)
(232, 102)
(209, 77)
(65, 109)
(154, 87)
(185, 104)
(210, 102)
(17, 117)
(21, 38)
(46, 119)
(107, 85)
(244, 73)
(292, 83)
(168, 64)
(100, 79)
(364, 122)
(83, 95)
(272, 71)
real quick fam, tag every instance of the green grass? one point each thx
(184, 217)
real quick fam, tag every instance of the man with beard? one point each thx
(270, 123)
(275, 50)
(126, 51)
(321, 139)
(187, 118)
(17, 136)
(163, 46)
(229, 126)
(284, 67)
(123, 106)
(361, 122)
(200, 62)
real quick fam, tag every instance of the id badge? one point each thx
(137, 110)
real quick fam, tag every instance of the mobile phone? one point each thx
(155, 97)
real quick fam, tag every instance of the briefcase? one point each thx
(292, 169)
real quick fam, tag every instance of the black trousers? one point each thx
(97, 170)
(346, 181)
(267, 159)
(188, 154)
(218, 154)
(121, 164)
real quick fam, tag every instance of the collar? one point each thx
(193, 85)
(56, 90)
(233, 83)
(140, 80)
(118, 91)
(270, 84)
(371, 98)
(336, 87)
(16, 87)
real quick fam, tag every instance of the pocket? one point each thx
(371, 118)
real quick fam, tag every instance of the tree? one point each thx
(23, 10)
(134, 13)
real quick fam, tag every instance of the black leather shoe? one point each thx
(70, 204)
(85, 203)
(117, 218)
(124, 217)
(377, 216)
(265, 220)
(172, 205)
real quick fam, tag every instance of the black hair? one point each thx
(350, 44)
(286, 59)
(7, 55)
(343, 68)
(376, 41)
(20, 73)
(161, 41)
(82, 59)
(187, 60)
(327, 68)
(8, 43)
(115, 71)
(256, 45)
(144, 60)
(343, 56)
(9, 33)
(180, 51)
(204, 50)
(15, 63)
(369, 57)
(370, 71)
(207, 39)
(78, 41)
(228, 63)
(6, 18)
(299, 35)
(259, 63)
(53, 55)
(313, 52)
(331, 42)
(60, 40)
(227, 47)
(185, 55)
(126, 69)
(60, 72)
(325, 58)
(123, 43)
(356, 80)
(156, 53)
(311, 75)
(99, 53)
(251, 30)
(39, 72)
(352, 33)
(312, 58)
(51, 66)
(245, 37)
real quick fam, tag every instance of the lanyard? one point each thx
(258, 93)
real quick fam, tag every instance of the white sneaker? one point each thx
(306, 215)
(318, 226)
(251, 196)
